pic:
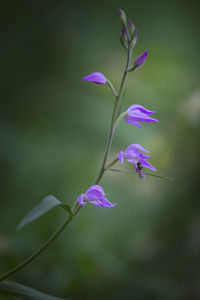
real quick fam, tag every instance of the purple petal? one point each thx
(120, 156)
(140, 60)
(132, 122)
(96, 77)
(144, 156)
(96, 187)
(146, 164)
(131, 153)
(92, 195)
(138, 146)
(141, 108)
(81, 199)
(103, 202)
(137, 115)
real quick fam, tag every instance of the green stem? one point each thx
(38, 252)
(112, 163)
(77, 206)
(124, 114)
(114, 116)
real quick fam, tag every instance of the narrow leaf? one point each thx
(45, 205)
(149, 174)
(24, 292)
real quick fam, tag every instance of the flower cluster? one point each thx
(134, 153)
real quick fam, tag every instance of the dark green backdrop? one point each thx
(53, 130)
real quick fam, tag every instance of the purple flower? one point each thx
(137, 113)
(134, 156)
(140, 60)
(95, 195)
(96, 77)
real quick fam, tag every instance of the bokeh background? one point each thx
(53, 131)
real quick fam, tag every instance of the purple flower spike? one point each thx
(140, 60)
(95, 195)
(137, 113)
(96, 77)
(134, 156)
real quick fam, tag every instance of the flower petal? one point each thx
(146, 164)
(96, 77)
(103, 202)
(132, 122)
(138, 146)
(137, 115)
(81, 199)
(96, 187)
(141, 108)
(120, 156)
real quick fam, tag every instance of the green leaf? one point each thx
(24, 292)
(45, 205)
(149, 174)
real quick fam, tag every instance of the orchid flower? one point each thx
(95, 195)
(137, 113)
(134, 156)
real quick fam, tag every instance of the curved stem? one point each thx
(38, 252)
(77, 206)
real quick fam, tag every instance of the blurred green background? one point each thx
(53, 131)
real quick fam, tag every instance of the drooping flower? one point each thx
(139, 61)
(96, 77)
(136, 113)
(134, 156)
(95, 195)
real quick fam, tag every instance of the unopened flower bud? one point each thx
(134, 41)
(140, 60)
(131, 29)
(123, 18)
(96, 77)
(123, 37)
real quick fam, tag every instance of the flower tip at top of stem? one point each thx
(96, 77)
(123, 18)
